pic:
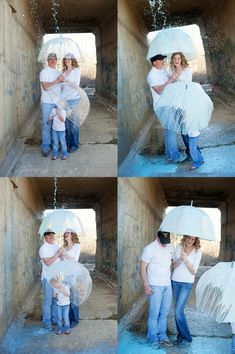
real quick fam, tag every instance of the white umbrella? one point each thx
(184, 107)
(75, 275)
(60, 220)
(188, 220)
(215, 292)
(60, 46)
(172, 40)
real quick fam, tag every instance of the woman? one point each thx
(70, 94)
(187, 257)
(71, 251)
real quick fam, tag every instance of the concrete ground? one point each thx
(209, 337)
(96, 333)
(96, 157)
(217, 143)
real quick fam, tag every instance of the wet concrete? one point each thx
(97, 155)
(209, 337)
(217, 143)
(96, 333)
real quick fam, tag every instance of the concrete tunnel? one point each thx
(142, 203)
(22, 26)
(135, 19)
(23, 201)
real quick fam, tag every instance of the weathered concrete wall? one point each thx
(141, 206)
(106, 46)
(220, 30)
(106, 251)
(227, 251)
(20, 207)
(133, 92)
(19, 88)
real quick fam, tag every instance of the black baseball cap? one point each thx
(158, 57)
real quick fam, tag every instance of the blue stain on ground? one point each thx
(130, 343)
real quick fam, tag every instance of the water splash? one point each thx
(156, 8)
(55, 192)
(54, 11)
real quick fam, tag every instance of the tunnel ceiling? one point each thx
(176, 12)
(74, 192)
(74, 15)
(205, 192)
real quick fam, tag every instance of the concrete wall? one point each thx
(106, 46)
(19, 87)
(19, 221)
(227, 252)
(220, 30)
(141, 206)
(133, 92)
(106, 251)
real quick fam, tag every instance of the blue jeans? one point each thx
(49, 307)
(46, 109)
(193, 149)
(172, 151)
(74, 309)
(63, 316)
(233, 344)
(58, 138)
(181, 292)
(72, 130)
(159, 308)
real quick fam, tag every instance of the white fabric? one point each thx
(58, 125)
(68, 91)
(62, 299)
(47, 250)
(194, 133)
(186, 75)
(159, 263)
(233, 327)
(181, 273)
(156, 77)
(53, 93)
(74, 252)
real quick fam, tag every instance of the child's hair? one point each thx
(57, 278)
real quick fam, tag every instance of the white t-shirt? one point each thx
(52, 94)
(62, 299)
(159, 263)
(74, 252)
(47, 250)
(181, 273)
(58, 125)
(156, 77)
(68, 91)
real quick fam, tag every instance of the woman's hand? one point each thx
(183, 255)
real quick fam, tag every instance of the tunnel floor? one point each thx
(97, 154)
(209, 337)
(96, 333)
(217, 143)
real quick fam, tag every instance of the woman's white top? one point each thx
(186, 75)
(181, 273)
(74, 252)
(68, 91)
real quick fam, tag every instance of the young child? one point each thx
(63, 301)
(58, 131)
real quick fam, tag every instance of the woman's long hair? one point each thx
(196, 244)
(74, 238)
(74, 64)
(184, 62)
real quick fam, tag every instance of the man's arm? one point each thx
(46, 85)
(160, 88)
(49, 260)
(143, 275)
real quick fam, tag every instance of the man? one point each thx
(49, 254)
(50, 79)
(155, 276)
(158, 79)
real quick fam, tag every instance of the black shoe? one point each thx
(45, 153)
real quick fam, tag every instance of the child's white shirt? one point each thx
(62, 299)
(58, 125)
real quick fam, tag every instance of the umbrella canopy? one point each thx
(215, 292)
(75, 275)
(184, 107)
(172, 40)
(190, 221)
(60, 220)
(60, 46)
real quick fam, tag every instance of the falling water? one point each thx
(54, 11)
(55, 192)
(156, 8)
